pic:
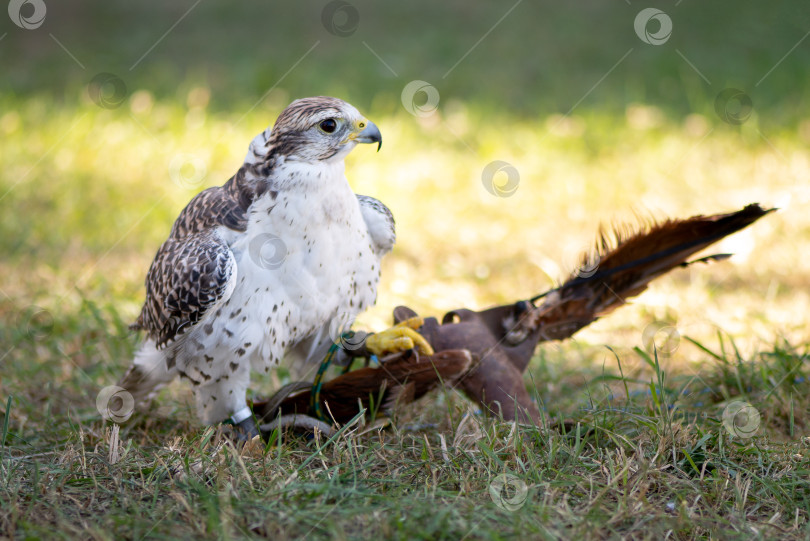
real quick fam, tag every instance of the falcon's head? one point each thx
(316, 129)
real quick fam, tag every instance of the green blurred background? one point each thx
(535, 58)
(601, 126)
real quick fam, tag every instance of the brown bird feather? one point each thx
(504, 338)
(400, 379)
(624, 263)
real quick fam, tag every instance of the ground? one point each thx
(89, 191)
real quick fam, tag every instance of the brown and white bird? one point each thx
(255, 270)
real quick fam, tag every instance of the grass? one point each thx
(636, 464)
(635, 445)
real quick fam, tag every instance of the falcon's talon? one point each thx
(414, 322)
(400, 337)
(246, 430)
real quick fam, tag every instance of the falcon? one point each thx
(256, 270)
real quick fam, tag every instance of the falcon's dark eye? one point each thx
(329, 125)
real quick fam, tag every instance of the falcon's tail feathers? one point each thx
(624, 262)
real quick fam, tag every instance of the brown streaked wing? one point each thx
(209, 208)
(188, 276)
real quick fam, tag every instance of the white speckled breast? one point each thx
(303, 254)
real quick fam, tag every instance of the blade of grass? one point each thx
(5, 423)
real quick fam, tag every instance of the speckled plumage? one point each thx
(254, 271)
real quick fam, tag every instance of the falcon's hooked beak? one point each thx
(369, 134)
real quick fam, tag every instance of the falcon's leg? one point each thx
(148, 373)
(224, 399)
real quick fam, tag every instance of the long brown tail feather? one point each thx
(625, 262)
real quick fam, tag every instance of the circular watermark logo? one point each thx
(340, 18)
(643, 22)
(661, 338)
(37, 323)
(420, 98)
(107, 90)
(115, 404)
(268, 251)
(500, 178)
(187, 170)
(588, 266)
(27, 14)
(340, 332)
(733, 106)
(741, 419)
(508, 492)
(584, 261)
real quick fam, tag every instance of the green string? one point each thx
(315, 394)
(317, 383)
